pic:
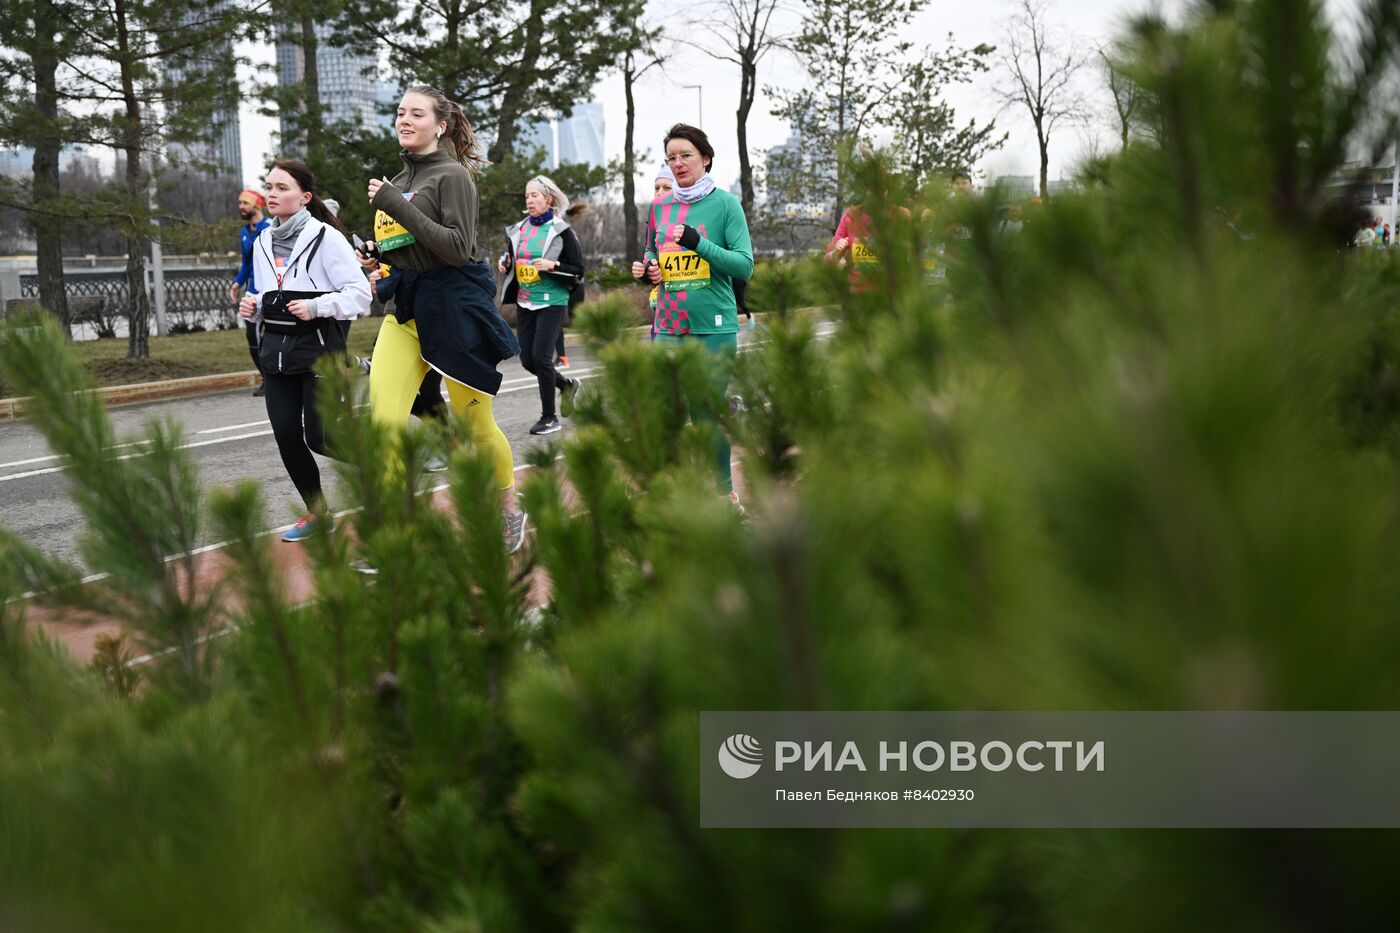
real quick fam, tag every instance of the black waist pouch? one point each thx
(281, 321)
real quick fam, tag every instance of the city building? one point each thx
(789, 170)
(540, 135)
(18, 164)
(576, 139)
(222, 149)
(1364, 184)
(581, 135)
(350, 92)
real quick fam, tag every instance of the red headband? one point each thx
(257, 197)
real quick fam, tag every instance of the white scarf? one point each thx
(695, 192)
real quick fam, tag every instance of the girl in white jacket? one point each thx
(309, 286)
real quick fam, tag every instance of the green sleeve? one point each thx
(736, 261)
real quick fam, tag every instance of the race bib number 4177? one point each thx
(684, 269)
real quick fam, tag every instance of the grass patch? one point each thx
(180, 356)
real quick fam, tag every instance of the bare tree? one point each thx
(1040, 63)
(1127, 95)
(641, 54)
(745, 33)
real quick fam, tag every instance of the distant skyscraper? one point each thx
(540, 135)
(349, 89)
(576, 139)
(222, 148)
(18, 164)
(581, 135)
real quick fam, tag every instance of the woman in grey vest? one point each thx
(545, 264)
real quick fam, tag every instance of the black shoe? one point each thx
(260, 391)
(546, 426)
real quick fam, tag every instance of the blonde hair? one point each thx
(461, 141)
(552, 191)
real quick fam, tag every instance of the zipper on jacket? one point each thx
(320, 336)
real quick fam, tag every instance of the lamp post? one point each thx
(699, 99)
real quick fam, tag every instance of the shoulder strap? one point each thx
(315, 245)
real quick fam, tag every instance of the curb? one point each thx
(12, 409)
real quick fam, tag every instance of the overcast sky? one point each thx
(662, 101)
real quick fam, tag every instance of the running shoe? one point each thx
(561, 363)
(513, 529)
(436, 464)
(735, 503)
(363, 363)
(360, 565)
(546, 426)
(567, 396)
(260, 391)
(307, 526)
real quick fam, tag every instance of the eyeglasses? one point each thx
(675, 157)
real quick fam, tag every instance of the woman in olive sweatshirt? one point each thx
(445, 315)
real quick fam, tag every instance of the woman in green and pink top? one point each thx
(697, 246)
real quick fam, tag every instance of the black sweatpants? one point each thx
(297, 428)
(538, 329)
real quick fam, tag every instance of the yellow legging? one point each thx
(394, 379)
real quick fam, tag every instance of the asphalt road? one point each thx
(229, 438)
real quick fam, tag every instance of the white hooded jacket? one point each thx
(332, 271)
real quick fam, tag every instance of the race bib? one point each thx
(863, 255)
(526, 274)
(684, 270)
(389, 233)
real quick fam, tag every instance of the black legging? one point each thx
(297, 427)
(250, 329)
(538, 329)
(429, 402)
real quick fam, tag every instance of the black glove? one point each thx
(690, 237)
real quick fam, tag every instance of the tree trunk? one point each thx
(138, 341)
(1044, 166)
(747, 84)
(311, 89)
(48, 232)
(507, 124)
(630, 222)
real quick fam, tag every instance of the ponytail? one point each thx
(317, 208)
(459, 137)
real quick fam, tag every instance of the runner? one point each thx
(852, 246)
(250, 209)
(308, 283)
(546, 263)
(697, 244)
(445, 315)
(664, 184)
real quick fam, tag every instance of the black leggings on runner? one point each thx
(538, 329)
(297, 427)
(251, 332)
